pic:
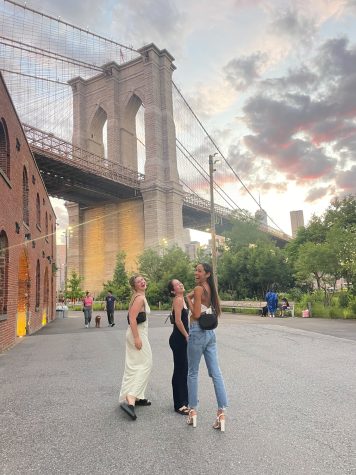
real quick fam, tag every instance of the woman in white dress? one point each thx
(138, 360)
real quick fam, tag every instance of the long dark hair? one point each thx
(170, 288)
(211, 281)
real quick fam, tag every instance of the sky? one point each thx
(273, 81)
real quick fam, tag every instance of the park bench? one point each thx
(253, 304)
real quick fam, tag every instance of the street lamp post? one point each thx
(212, 218)
(67, 234)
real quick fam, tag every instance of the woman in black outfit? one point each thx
(178, 342)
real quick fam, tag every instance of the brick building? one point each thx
(27, 234)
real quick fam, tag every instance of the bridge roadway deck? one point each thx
(74, 174)
(291, 384)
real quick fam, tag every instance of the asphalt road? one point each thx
(291, 385)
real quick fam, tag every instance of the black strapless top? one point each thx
(184, 318)
(141, 317)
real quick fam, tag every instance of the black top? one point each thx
(184, 318)
(141, 317)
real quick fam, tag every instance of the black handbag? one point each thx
(208, 321)
(170, 318)
(141, 317)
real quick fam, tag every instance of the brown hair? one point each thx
(214, 294)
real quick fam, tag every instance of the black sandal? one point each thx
(184, 411)
(129, 409)
(143, 402)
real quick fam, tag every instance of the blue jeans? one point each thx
(203, 342)
(87, 315)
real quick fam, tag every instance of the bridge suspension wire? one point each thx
(201, 170)
(204, 174)
(59, 20)
(39, 54)
(220, 152)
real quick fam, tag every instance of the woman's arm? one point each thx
(178, 307)
(135, 309)
(189, 298)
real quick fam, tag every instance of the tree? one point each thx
(317, 261)
(250, 271)
(119, 284)
(160, 269)
(244, 231)
(150, 265)
(342, 213)
(74, 291)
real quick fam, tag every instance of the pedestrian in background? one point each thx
(110, 308)
(138, 358)
(204, 298)
(87, 308)
(272, 302)
(178, 343)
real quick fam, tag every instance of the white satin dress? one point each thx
(138, 363)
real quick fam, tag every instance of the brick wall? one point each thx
(28, 244)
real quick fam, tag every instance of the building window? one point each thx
(25, 191)
(4, 149)
(38, 210)
(38, 285)
(4, 273)
(46, 225)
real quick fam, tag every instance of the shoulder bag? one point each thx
(208, 320)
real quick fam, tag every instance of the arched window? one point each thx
(46, 225)
(38, 210)
(4, 272)
(25, 190)
(38, 284)
(4, 148)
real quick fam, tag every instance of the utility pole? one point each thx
(212, 218)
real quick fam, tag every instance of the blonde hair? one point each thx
(132, 280)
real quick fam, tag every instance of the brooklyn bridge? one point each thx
(113, 135)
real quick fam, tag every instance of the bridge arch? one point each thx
(97, 136)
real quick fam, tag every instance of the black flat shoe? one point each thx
(129, 409)
(184, 411)
(143, 402)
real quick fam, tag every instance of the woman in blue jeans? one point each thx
(203, 342)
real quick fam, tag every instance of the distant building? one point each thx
(191, 249)
(296, 220)
(27, 234)
(261, 216)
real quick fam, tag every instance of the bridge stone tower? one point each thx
(115, 96)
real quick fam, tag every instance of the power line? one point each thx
(222, 155)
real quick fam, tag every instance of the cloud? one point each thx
(291, 24)
(346, 180)
(301, 122)
(242, 72)
(316, 194)
(151, 21)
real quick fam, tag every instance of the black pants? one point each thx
(110, 314)
(178, 344)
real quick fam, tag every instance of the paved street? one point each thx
(291, 384)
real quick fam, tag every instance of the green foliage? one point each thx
(344, 299)
(251, 270)
(119, 284)
(160, 268)
(74, 290)
(243, 233)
